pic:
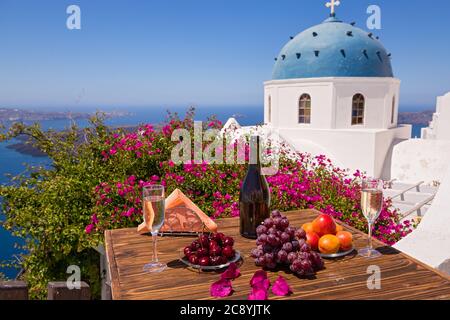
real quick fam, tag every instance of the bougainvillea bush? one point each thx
(96, 179)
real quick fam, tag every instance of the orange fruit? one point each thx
(345, 240)
(308, 227)
(329, 244)
(339, 228)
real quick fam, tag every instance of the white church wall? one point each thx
(378, 94)
(421, 160)
(285, 108)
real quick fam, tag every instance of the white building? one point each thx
(439, 128)
(333, 92)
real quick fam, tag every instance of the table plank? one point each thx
(344, 279)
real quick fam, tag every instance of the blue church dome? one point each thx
(333, 49)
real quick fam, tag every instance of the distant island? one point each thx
(12, 115)
(422, 118)
(21, 115)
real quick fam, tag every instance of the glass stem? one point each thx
(155, 251)
(370, 236)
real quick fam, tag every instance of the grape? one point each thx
(277, 222)
(282, 256)
(290, 231)
(295, 245)
(269, 257)
(317, 261)
(276, 214)
(301, 242)
(260, 262)
(287, 247)
(292, 257)
(305, 248)
(261, 230)
(263, 238)
(302, 255)
(268, 223)
(278, 243)
(272, 239)
(285, 237)
(307, 267)
(284, 224)
(257, 253)
(300, 234)
(296, 266)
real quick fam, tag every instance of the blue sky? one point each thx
(194, 52)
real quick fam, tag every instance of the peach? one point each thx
(324, 225)
(345, 240)
(329, 244)
(312, 239)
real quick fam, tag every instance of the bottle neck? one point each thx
(255, 161)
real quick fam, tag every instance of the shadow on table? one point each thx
(388, 251)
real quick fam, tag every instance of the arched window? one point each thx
(358, 106)
(304, 109)
(270, 109)
(393, 110)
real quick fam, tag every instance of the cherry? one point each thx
(187, 252)
(195, 245)
(228, 241)
(204, 261)
(193, 259)
(213, 244)
(223, 260)
(215, 251)
(215, 261)
(204, 240)
(202, 252)
(228, 252)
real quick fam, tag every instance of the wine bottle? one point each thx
(254, 199)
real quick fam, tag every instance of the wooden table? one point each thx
(401, 276)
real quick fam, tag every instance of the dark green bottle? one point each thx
(254, 199)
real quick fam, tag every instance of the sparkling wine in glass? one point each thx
(154, 209)
(371, 206)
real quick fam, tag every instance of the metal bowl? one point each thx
(337, 255)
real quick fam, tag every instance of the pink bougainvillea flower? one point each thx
(260, 280)
(221, 288)
(232, 272)
(281, 288)
(89, 229)
(258, 294)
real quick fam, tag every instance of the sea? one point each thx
(14, 163)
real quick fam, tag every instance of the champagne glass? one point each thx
(154, 209)
(371, 205)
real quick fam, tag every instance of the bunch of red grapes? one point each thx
(280, 244)
(210, 250)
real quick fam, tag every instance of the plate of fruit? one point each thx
(210, 252)
(281, 245)
(328, 238)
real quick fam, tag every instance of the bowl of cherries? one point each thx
(210, 252)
